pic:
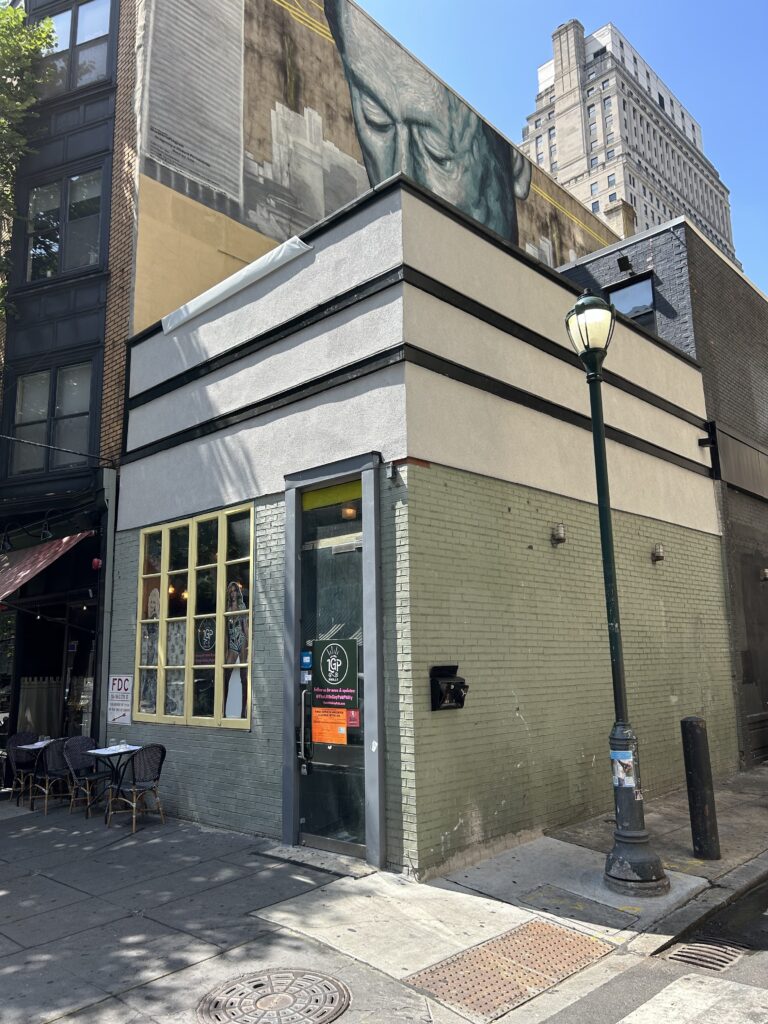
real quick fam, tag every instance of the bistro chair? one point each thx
(22, 763)
(139, 776)
(51, 771)
(84, 776)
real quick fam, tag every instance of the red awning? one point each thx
(19, 567)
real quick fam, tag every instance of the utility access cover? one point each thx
(275, 997)
(494, 977)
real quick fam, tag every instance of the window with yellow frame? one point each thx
(194, 621)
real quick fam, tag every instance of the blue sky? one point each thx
(712, 57)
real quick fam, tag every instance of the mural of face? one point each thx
(409, 122)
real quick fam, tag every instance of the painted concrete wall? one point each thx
(462, 259)
(338, 261)
(253, 458)
(182, 248)
(526, 623)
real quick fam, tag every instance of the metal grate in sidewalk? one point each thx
(496, 976)
(710, 952)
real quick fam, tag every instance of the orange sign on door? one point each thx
(329, 725)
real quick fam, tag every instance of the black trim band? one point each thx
(510, 393)
(315, 315)
(430, 286)
(316, 386)
(493, 318)
(426, 360)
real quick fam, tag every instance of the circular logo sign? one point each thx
(206, 635)
(334, 665)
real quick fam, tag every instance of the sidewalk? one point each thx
(101, 927)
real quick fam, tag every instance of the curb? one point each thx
(723, 891)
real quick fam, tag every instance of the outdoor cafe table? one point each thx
(114, 756)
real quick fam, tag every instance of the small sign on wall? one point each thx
(119, 700)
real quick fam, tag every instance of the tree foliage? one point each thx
(21, 74)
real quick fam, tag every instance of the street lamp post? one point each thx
(632, 866)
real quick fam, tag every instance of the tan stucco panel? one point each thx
(182, 249)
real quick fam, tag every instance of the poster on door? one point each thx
(329, 725)
(334, 674)
(119, 699)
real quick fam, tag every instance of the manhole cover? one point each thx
(712, 953)
(275, 997)
(499, 974)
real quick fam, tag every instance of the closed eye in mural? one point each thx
(408, 122)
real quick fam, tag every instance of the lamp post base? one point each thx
(632, 867)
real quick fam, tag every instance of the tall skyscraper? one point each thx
(608, 129)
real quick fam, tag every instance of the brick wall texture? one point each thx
(121, 235)
(525, 621)
(469, 576)
(666, 254)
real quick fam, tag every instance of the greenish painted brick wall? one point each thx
(526, 623)
(222, 777)
(233, 779)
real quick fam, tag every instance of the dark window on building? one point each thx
(611, 197)
(78, 56)
(64, 225)
(634, 299)
(661, 101)
(51, 409)
(596, 206)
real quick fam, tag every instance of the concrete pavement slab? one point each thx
(58, 924)
(222, 915)
(34, 894)
(336, 863)
(742, 813)
(376, 999)
(152, 892)
(44, 994)
(393, 923)
(516, 875)
(110, 1011)
(8, 946)
(131, 951)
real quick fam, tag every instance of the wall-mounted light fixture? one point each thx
(764, 575)
(557, 536)
(657, 555)
(348, 512)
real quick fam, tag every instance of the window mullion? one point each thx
(221, 627)
(189, 671)
(164, 563)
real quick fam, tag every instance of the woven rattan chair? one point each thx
(84, 775)
(51, 773)
(139, 776)
(22, 763)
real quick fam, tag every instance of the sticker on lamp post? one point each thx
(623, 768)
(334, 674)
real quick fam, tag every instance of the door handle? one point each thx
(303, 726)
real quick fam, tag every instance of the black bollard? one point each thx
(701, 794)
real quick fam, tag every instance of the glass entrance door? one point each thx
(330, 742)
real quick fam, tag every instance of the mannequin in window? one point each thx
(236, 686)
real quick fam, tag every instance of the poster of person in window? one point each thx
(235, 676)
